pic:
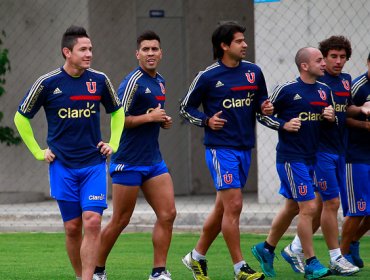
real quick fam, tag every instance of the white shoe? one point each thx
(100, 276)
(342, 267)
(165, 275)
(296, 260)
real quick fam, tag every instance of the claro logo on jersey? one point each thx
(69, 113)
(309, 116)
(97, 197)
(238, 102)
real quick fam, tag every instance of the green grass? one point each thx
(42, 256)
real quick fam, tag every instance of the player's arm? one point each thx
(24, 128)
(363, 125)
(353, 110)
(152, 115)
(117, 123)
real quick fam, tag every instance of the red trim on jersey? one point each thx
(319, 103)
(342, 93)
(244, 88)
(161, 98)
(86, 97)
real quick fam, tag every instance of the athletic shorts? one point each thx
(297, 180)
(134, 175)
(358, 189)
(331, 176)
(229, 168)
(87, 186)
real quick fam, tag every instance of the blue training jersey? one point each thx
(333, 139)
(236, 91)
(296, 99)
(140, 93)
(72, 108)
(359, 139)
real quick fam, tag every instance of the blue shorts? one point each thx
(297, 180)
(331, 176)
(133, 175)
(358, 189)
(86, 186)
(229, 168)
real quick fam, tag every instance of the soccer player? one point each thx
(231, 92)
(71, 96)
(357, 222)
(138, 162)
(330, 166)
(302, 106)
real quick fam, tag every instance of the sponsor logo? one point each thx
(302, 189)
(228, 178)
(57, 91)
(238, 102)
(219, 84)
(251, 77)
(91, 87)
(340, 107)
(346, 84)
(97, 197)
(309, 116)
(69, 113)
(297, 97)
(148, 90)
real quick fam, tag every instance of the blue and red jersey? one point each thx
(236, 91)
(140, 93)
(72, 108)
(359, 139)
(296, 99)
(333, 139)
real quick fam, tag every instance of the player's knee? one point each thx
(168, 216)
(73, 229)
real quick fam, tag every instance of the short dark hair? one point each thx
(147, 35)
(224, 34)
(70, 36)
(335, 43)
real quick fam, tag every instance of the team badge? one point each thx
(228, 178)
(302, 189)
(322, 185)
(91, 87)
(361, 205)
(251, 77)
(322, 94)
(346, 84)
(163, 89)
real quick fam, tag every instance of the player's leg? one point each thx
(158, 191)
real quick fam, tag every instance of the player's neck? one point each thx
(229, 62)
(308, 79)
(72, 71)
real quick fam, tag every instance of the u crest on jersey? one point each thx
(228, 178)
(251, 77)
(302, 189)
(91, 87)
(361, 205)
(346, 84)
(322, 94)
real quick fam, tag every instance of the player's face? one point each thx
(238, 47)
(81, 55)
(335, 61)
(316, 64)
(149, 55)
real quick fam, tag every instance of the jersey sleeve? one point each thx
(110, 98)
(192, 101)
(33, 100)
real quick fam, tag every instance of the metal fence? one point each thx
(275, 31)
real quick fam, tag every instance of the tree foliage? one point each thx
(7, 134)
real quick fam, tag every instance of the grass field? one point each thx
(27, 256)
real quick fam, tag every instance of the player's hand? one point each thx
(104, 148)
(48, 155)
(267, 108)
(157, 114)
(293, 125)
(365, 108)
(329, 113)
(216, 122)
(167, 123)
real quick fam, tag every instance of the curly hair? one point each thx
(335, 43)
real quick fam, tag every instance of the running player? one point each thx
(302, 106)
(231, 92)
(138, 162)
(71, 97)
